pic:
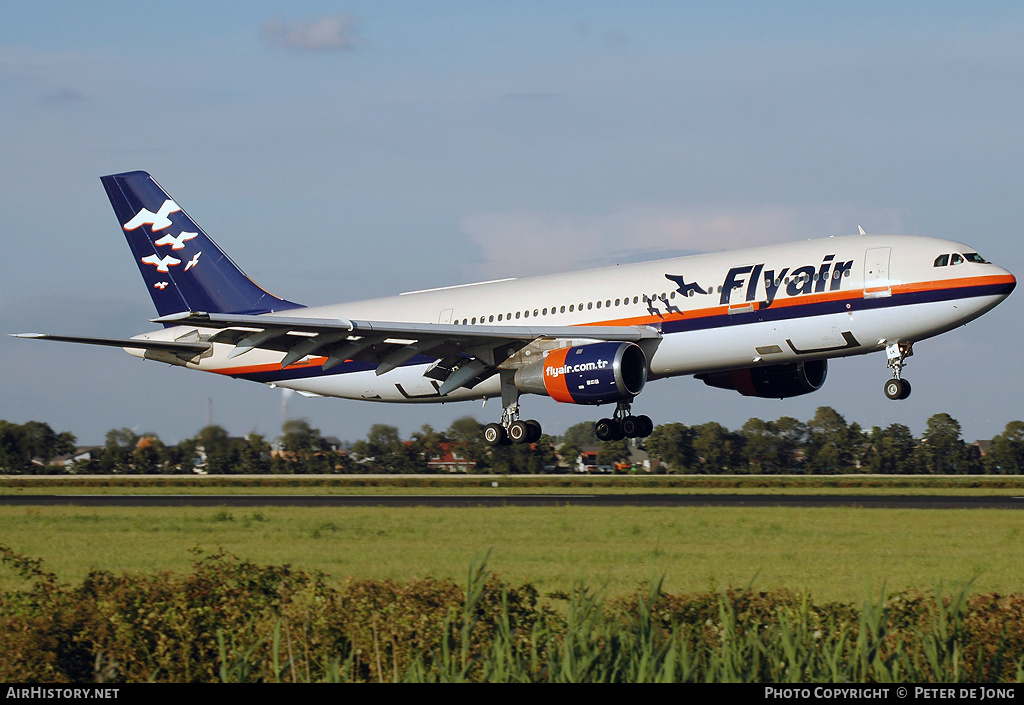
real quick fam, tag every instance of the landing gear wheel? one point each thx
(519, 432)
(494, 435)
(893, 388)
(535, 431)
(906, 389)
(631, 427)
(897, 389)
(646, 426)
(607, 430)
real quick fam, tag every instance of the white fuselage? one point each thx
(766, 306)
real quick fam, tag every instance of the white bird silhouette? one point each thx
(161, 263)
(192, 262)
(176, 243)
(158, 220)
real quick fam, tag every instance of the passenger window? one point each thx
(957, 259)
(941, 261)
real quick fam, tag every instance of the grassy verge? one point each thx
(834, 554)
(498, 484)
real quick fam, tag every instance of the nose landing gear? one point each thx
(897, 354)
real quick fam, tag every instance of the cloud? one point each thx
(324, 33)
(526, 243)
(61, 96)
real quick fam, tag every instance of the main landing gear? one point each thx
(623, 425)
(511, 429)
(897, 354)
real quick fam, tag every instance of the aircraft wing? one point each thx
(465, 355)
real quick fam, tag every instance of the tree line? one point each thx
(826, 444)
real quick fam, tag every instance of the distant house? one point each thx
(450, 460)
(586, 462)
(639, 461)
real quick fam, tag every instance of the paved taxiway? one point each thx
(521, 500)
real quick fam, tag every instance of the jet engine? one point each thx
(597, 373)
(773, 381)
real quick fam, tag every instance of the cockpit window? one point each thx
(941, 261)
(957, 259)
(975, 257)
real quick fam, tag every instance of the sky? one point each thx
(348, 150)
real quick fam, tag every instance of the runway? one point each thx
(522, 500)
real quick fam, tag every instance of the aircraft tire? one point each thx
(905, 392)
(519, 432)
(894, 389)
(606, 430)
(535, 431)
(646, 426)
(631, 427)
(494, 435)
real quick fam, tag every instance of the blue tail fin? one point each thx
(183, 268)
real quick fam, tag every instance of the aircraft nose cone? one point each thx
(1011, 283)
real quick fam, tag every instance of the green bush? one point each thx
(231, 620)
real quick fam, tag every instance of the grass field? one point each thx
(835, 554)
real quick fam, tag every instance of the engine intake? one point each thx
(598, 373)
(772, 382)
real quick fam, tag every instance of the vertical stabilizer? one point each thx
(183, 268)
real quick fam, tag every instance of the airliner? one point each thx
(763, 322)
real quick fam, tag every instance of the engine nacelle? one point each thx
(597, 373)
(772, 382)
